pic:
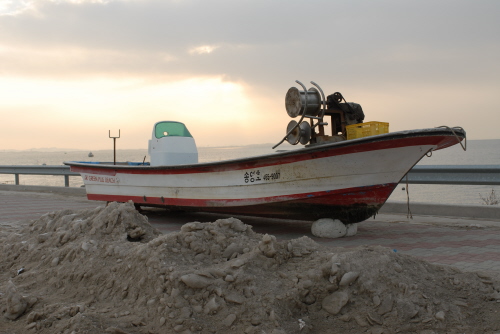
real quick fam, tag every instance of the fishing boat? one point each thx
(347, 174)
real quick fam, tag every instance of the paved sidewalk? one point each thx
(465, 243)
(16, 206)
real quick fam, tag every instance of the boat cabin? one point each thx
(172, 144)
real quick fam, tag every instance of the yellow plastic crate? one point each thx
(366, 129)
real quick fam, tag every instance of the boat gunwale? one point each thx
(457, 132)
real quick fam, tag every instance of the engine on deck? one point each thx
(312, 107)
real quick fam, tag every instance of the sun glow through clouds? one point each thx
(204, 49)
(89, 107)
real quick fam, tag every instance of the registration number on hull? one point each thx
(257, 176)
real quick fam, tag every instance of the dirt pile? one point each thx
(108, 271)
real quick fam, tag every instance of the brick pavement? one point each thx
(20, 205)
(466, 244)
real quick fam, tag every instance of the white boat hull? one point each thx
(349, 180)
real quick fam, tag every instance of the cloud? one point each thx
(263, 40)
(11, 7)
(380, 53)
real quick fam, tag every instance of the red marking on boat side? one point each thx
(370, 195)
(101, 179)
(92, 170)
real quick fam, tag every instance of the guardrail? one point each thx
(38, 170)
(455, 174)
(435, 174)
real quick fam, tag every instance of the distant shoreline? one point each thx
(56, 149)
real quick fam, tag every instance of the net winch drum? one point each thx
(294, 136)
(295, 102)
(300, 133)
(305, 133)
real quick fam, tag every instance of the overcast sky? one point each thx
(70, 71)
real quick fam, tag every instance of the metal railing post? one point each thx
(66, 180)
(17, 179)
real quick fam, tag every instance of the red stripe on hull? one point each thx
(349, 205)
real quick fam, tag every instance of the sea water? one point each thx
(479, 152)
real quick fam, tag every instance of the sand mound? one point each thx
(108, 271)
